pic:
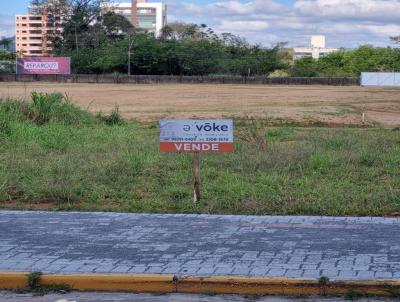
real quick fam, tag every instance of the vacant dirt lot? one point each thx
(333, 105)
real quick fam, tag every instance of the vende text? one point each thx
(196, 147)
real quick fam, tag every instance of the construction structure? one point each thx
(315, 50)
(143, 15)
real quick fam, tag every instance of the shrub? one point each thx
(113, 119)
(43, 105)
(7, 67)
(5, 128)
(15, 110)
(279, 73)
(10, 111)
(69, 114)
(45, 108)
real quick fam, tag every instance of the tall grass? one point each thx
(47, 108)
(113, 119)
(280, 170)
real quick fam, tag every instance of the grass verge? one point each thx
(59, 157)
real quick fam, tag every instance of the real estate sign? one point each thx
(196, 135)
(44, 65)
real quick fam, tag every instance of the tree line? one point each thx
(100, 41)
(349, 63)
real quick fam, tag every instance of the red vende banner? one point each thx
(44, 65)
(195, 147)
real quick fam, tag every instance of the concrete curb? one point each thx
(217, 285)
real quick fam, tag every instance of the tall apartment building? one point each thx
(148, 16)
(316, 50)
(32, 32)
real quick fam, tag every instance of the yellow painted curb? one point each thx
(13, 280)
(217, 285)
(284, 286)
(96, 282)
(244, 285)
(129, 283)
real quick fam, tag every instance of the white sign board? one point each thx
(383, 79)
(196, 135)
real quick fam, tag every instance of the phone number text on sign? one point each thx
(196, 135)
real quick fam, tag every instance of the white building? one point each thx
(315, 50)
(151, 17)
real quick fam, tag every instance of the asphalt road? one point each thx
(123, 297)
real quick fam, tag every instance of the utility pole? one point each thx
(76, 37)
(131, 40)
(134, 25)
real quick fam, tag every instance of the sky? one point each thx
(346, 23)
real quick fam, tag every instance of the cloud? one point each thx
(234, 8)
(346, 23)
(383, 30)
(227, 25)
(7, 26)
(350, 9)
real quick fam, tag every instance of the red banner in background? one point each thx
(44, 65)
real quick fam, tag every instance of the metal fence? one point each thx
(155, 79)
(384, 79)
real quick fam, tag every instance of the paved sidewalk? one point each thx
(201, 245)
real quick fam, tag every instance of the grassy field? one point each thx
(59, 157)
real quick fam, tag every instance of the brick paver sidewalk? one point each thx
(269, 246)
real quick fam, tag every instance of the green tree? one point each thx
(7, 56)
(333, 65)
(6, 43)
(187, 31)
(304, 67)
(50, 7)
(369, 58)
(116, 27)
(201, 57)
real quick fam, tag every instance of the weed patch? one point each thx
(113, 119)
(353, 294)
(91, 166)
(45, 108)
(393, 291)
(35, 286)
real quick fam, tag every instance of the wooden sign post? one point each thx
(196, 177)
(196, 136)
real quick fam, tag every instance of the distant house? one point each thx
(316, 50)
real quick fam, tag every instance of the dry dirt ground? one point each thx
(148, 102)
